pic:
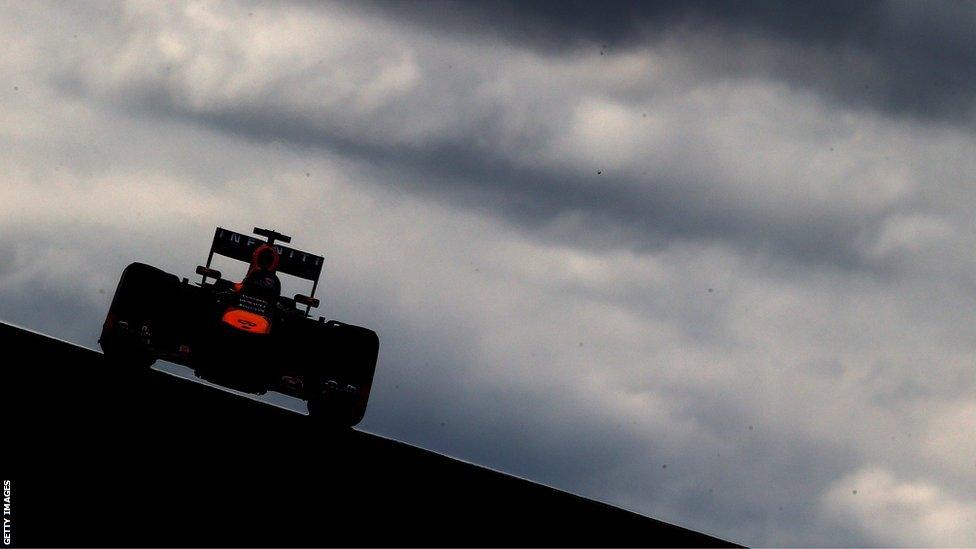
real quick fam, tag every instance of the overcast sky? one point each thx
(712, 262)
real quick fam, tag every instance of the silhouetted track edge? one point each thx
(100, 458)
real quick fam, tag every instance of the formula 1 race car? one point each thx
(244, 335)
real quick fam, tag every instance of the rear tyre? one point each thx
(138, 319)
(332, 414)
(124, 354)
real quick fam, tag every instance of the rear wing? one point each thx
(241, 247)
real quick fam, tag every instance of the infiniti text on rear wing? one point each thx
(241, 247)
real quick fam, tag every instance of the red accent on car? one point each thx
(246, 321)
(265, 257)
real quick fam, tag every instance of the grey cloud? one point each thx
(597, 208)
(465, 154)
(558, 26)
(607, 213)
(49, 309)
(758, 485)
(903, 58)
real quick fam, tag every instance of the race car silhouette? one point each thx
(244, 335)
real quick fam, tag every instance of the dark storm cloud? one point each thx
(558, 26)
(607, 209)
(906, 58)
(468, 159)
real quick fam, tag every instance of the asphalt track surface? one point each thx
(98, 459)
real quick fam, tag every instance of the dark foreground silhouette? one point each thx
(246, 334)
(98, 459)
